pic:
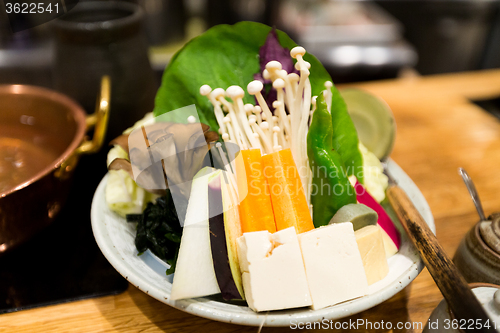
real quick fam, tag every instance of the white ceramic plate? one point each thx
(115, 238)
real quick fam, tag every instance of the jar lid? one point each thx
(490, 232)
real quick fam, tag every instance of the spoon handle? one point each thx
(453, 286)
(473, 192)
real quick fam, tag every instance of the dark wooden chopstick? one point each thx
(461, 300)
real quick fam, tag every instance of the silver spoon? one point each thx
(473, 193)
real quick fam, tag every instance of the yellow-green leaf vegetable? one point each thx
(331, 188)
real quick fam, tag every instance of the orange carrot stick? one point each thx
(287, 194)
(256, 210)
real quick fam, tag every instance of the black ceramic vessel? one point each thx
(105, 38)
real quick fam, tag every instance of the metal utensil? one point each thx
(473, 193)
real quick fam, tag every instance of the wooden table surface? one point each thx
(438, 131)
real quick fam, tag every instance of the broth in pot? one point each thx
(24, 152)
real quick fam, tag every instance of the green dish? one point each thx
(373, 120)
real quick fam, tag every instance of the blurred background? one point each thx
(355, 40)
(133, 42)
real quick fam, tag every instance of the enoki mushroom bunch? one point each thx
(257, 126)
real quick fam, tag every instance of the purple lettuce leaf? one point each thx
(272, 50)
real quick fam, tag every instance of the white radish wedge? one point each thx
(194, 272)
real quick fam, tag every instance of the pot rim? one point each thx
(75, 110)
(135, 17)
(472, 285)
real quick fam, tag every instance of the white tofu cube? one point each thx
(273, 271)
(333, 265)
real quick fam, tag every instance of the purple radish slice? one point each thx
(384, 221)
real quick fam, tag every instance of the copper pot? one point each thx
(42, 136)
